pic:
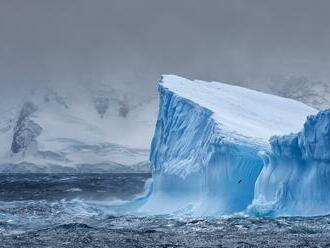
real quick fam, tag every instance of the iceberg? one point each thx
(205, 150)
(295, 179)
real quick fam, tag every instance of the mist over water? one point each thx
(130, 44)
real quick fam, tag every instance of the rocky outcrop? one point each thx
(26, 130)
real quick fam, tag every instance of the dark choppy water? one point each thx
(77, 211)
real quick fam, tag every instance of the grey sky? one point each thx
(134, 41)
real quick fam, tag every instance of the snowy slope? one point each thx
(314, 93)
(70, 129)
(243, 111)
(204, 154)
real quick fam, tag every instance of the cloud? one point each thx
(131, 43)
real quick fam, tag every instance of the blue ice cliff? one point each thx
(205, 154)
(295, 179)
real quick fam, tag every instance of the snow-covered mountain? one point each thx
(76, 130)
(205, 151)
(314, 93)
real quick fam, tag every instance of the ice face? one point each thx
(185, 162)
(296, 173)
(204, 154)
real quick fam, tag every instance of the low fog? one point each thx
(266, 45)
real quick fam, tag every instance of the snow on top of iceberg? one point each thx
(242, 111)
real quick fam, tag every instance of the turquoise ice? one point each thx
(208, 150)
